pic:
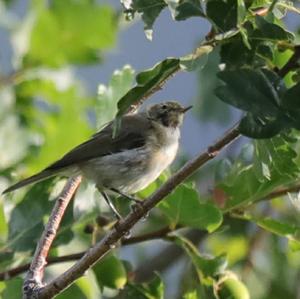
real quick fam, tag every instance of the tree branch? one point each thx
(166, 257)
(158, 234)
(110, 240)
(35, 273)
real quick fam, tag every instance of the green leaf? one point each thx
(13, 289)
(108, 96)
(184, 207)
(184, 9)
(149, 9)
(63, 125)
(270, 31)
(261, 127)
(3, 224)
(290, 231)
(196, 60)
(70, 32)
(110, 272)
(146, 82)
(241, 11)
(290, 99)
(81, 289)
(249, 90)
(206, 267)
(274, 155)
(223, 14)
(232, 288)
(209, 108)
(26, 220)
(151, 290)
(191, 294)
(247, 183)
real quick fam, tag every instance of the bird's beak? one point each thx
(184, 110)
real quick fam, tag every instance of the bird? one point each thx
(146, 144)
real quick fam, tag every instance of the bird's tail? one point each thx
(35, 178)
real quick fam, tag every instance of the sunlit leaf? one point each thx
(184, 207)
(71, 32)
(13, 289)
(108, 96)
(110, 272)
(207, 267)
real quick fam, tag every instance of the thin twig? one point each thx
(111, 239)
(158, 234)
(36, 271)
(166, 257)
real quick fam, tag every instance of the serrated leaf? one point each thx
(149, 10)
(274, 155)
(183, 207)
(245, 183)
(184, 9)
(146, 82)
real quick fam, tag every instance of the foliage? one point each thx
(251, 62)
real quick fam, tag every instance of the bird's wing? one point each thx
(133, 133)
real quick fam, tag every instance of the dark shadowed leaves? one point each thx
(26, 222)
(270, 31)
(184, 9)
(223, 14)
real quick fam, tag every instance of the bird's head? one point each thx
(169, 114)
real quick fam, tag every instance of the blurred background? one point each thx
(53, 97)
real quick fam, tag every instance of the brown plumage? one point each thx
(143, 137)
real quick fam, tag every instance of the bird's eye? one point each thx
(164, 107)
